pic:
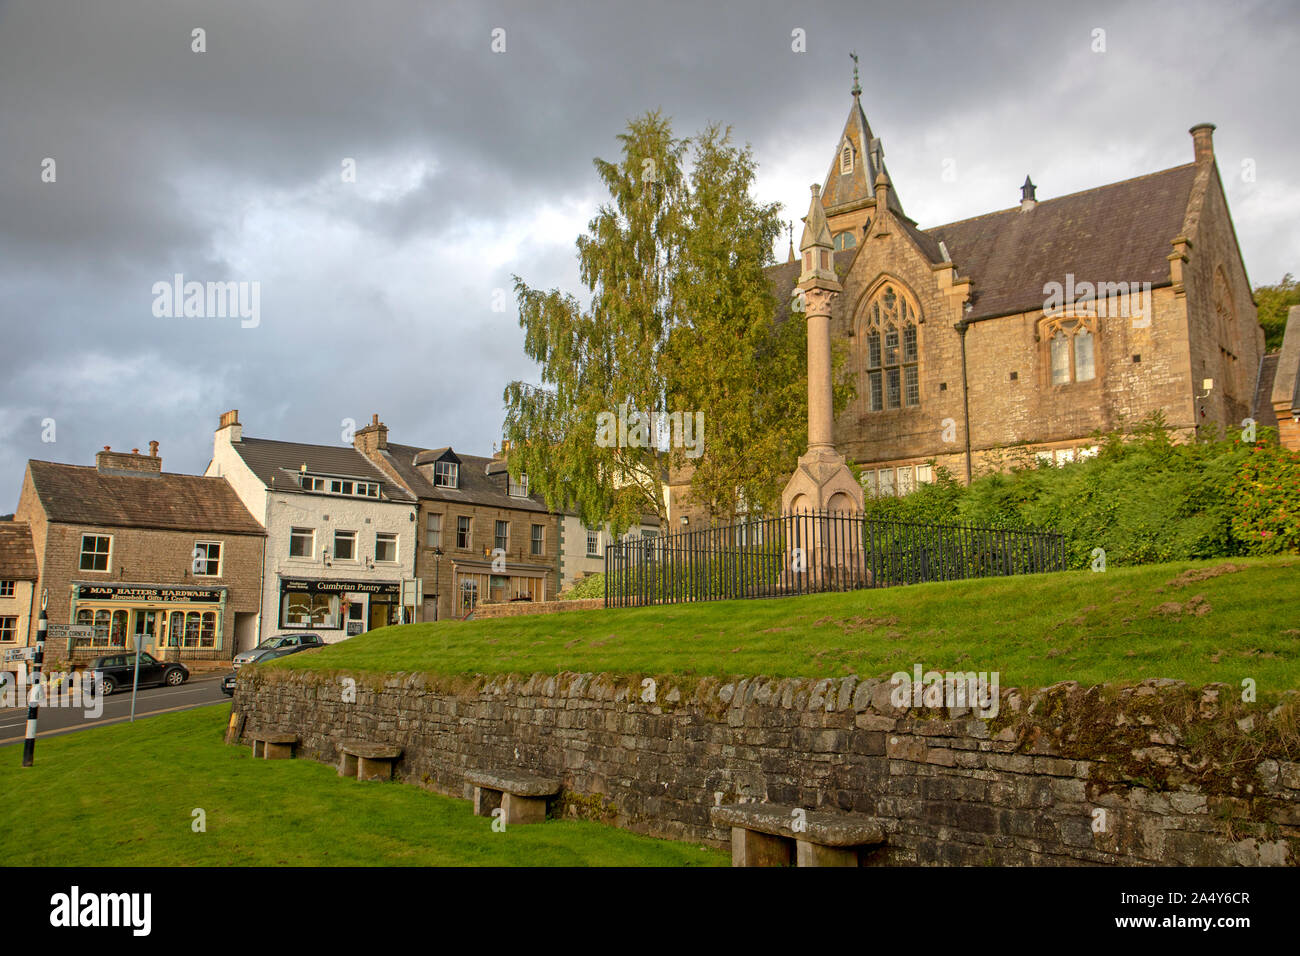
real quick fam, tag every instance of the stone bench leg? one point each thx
(814, 854)
(347, 765)
(278, 751)
(751, 848)
(259, 749)
(485, 801)
(370, 769)
(516, 809)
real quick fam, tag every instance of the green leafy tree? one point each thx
(681, 320)
(1274, 301)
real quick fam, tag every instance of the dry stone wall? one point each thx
(1156, 774)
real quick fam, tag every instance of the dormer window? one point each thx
(519, 489)
(846, 158)
(446, 474)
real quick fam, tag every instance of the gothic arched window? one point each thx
(1071, 348)
(844, 240)
(846, 158)
(892, 358)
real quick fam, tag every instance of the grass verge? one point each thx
(1198, 621)
(126, 794)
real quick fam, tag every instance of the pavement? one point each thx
(199, 691)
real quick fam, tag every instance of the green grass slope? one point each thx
(1195, 621)
(125, 795)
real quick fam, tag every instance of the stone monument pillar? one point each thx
(822, 481)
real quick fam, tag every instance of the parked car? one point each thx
(281, 645)
(118, 671)
(228, 684)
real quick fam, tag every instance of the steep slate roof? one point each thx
(79, 494)
(17, 558)
(281, 461)
(475, 485)
(1262, 411)
(1115, 233)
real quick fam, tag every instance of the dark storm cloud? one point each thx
(472, 166)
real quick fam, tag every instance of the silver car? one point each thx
(279, 646)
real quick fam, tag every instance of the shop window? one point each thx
(537, 540)
(207, 559)
(468, 595)
(175, 628)
(8, 629)
(385, 547)
(117, 630)
(462, 532)
(96, 550)
(6, 589)
(208, 629)
(502, 537)
(302, 543)
(433, 531)
(345, 545)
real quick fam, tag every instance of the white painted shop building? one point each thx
(340, 535)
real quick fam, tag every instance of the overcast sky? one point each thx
(472, 165)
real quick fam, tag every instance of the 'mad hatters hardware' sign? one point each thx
(331, 587)
(162, 595)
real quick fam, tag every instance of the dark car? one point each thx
(279, 646)
(118, 670)
(228, 684)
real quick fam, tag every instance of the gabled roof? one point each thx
(841, 190)
(1286, 382)
(475, 486)
(277, 465)
(1262, 410)
(1115, 233)
(80, 494)
(17, 557)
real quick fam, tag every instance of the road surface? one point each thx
(197, 692)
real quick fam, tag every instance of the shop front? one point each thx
(480, 583)
(345, 608)
(164, 620)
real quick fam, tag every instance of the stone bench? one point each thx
(367, 761)
(273, 746)
(521, 796)
(763, 834)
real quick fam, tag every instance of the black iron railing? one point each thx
(807, 552)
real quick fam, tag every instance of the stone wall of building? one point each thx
(1157, 774)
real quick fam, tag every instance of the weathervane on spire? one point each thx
(856, 89)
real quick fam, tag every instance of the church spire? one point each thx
(858, 161)
(789, 229)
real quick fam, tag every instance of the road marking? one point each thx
(107, 720)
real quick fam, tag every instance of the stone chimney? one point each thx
(1203, 140)
(371, 439)
(230, 420)
(109, 462)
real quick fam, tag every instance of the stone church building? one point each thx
(1030, 327)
